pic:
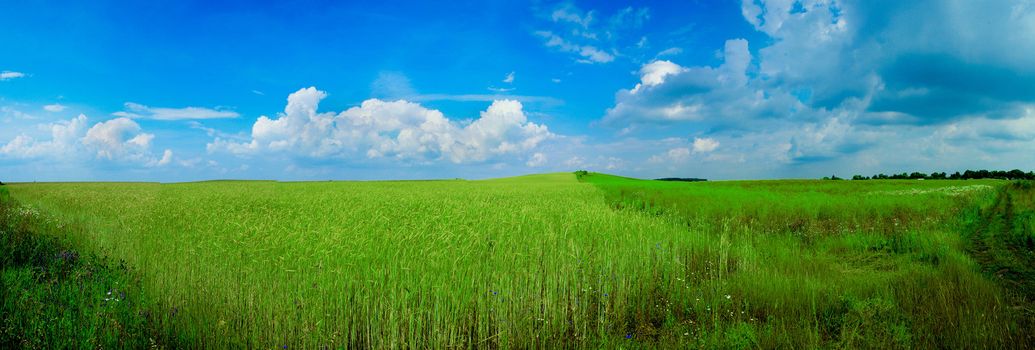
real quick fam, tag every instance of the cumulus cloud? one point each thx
(139, 111)
(64, 139)
(399, 130)
(117, 138)
(829, 85)
(705, 145)
(654, 73)
(713, 97)
(8, 75)
(946, 60)
(120, 140)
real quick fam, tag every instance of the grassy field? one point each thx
(550, 260)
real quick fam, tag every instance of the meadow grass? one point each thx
(549, 261)
(52, 296)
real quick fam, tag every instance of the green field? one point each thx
(553, 260)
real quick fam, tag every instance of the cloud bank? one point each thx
(119, 141)
(399, 130)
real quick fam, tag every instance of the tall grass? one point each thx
(843, 264)
(546, 261)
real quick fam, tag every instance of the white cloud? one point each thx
(139, 111)
(579, 32)
(654, 73)
(10, 113)
(569, 13)
(167, 158)
(536, 160)
(838, 52)
(716, 97)
(57, 107)
(674, 155)
(120, 140)
(509, 78)
(705, 145)
(64, 137)
(8, 75)
(399, 130)
(589, 53)
(117, 138)
(828, 90)
(679, 154)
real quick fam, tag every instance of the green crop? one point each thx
(547, 261)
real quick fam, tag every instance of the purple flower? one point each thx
(628, 336)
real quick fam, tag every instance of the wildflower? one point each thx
(728, 296)
(628, 336)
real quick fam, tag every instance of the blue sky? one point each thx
(306, 90)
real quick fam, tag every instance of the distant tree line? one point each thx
(1014, 174)
(684, 179)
